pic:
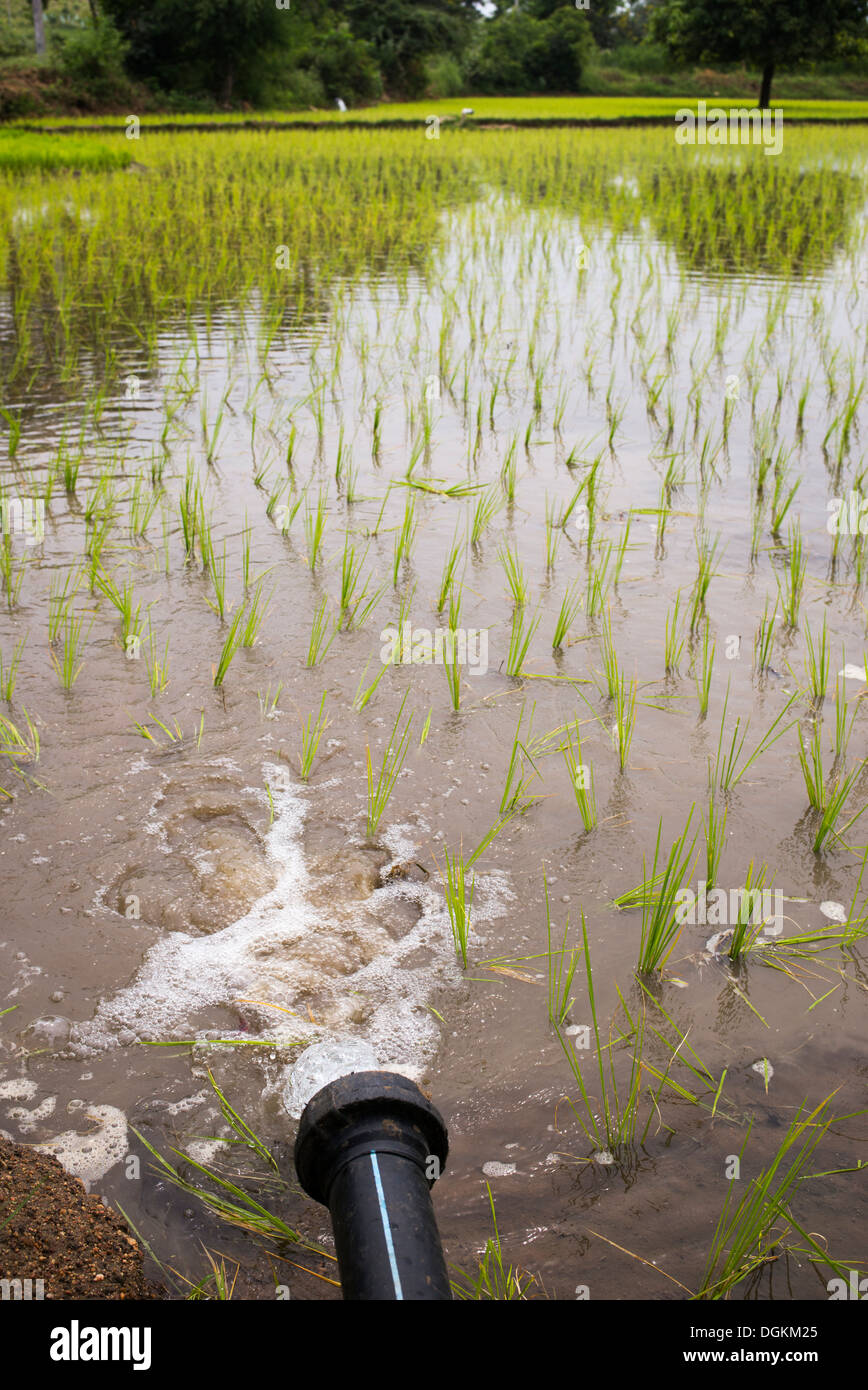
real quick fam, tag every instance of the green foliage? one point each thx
(520, 53)
(767, 33)
(92, 58)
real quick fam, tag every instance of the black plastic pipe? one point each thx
(370, 1147)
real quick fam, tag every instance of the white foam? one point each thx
(19, 1089)
(90, 1156)
(346, 957)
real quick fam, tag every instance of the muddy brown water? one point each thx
(151, 892)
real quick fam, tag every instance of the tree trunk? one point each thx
(228, 84)
(39, 26)
(766, 87)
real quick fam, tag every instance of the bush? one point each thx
(93, 59)
(561, 51)
(346, 67)
(443, 76)
(639, 57)
(521, 54)
(500, 62)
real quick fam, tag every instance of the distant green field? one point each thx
(512, 109)
(22, 151)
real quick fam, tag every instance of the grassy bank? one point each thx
(509, 110)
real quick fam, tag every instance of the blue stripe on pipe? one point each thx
(387, 1229)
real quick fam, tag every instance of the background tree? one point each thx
(764, 33)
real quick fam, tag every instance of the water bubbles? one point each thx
(322, 1063)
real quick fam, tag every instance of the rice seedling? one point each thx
(508, 471)
(459, 899)
(156, 665)
(790, 591)
(571, 604)
(72, 636)
(581, 777)
(706, 551)
(175, 735)
(268, 702)
(122, 600)
(516, 795)
(755, 1229)
(610, 657)
(817, 664)
(625, 718)
(405, 538)
(661, 927)
(515, 576)
(12, 581)
(487, 506)
(394, 756)
(728, 766)
(364, 693)
(311, 737)
(843, 727)
(255, 615)
(615, 1127)
(9, 673)
(599, 579)
(520, 638)
(493, 1281)
(324, 628)
(714, 824)
(14, 423)
(62, 591)
(781, 504)
(673, 640)
(835, 798)
(749, 922)
(314, 527)
(229, 650)
(15, 744)
(447, 578)
(230, 1202)
(764, 640)
(703, 675)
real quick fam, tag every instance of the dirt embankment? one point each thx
(52, 1230)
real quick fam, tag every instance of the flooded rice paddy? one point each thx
(280, 409)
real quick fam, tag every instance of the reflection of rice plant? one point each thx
(561, 969)
(673, 642)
